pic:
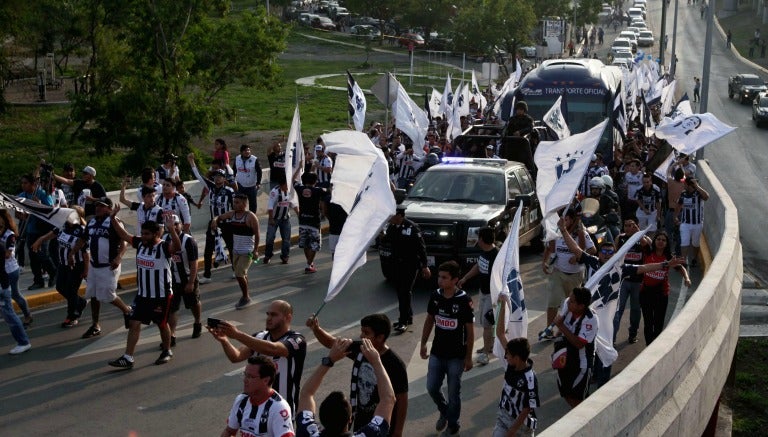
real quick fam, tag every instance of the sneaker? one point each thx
(127, 319)
(482, 359)
(310, 269)
(20, 349)
(69, 323)
(632, 339)
(36, 286)
(265, 260)
(93, 331)
(400, 328)
(197, 329)
(284, 259)
(204, 280)
(694, 262)
(165, 356)
(441, 423)
(27, 321)
(173, 343)
(544, 335)
(450, 432)
(243, 302)
(121, 362)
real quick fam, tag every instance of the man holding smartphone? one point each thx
(364, 396)
(285, 346)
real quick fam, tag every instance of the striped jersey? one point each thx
(183, 258)
(243, 238)
(649, 198)
(103, 241)
(323, 177)
(289, 369)
(407, 165)
(280, 204)
(271, 418)
(220, 199)
(177, 204)
(152, 214)
(692, 208)
(153, 268)
(8, 240)
(520, 390)
(67, 237)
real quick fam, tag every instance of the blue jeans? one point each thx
(11, 319)
(437, 371)
(284, 226)
(16, 295)
(629, 290)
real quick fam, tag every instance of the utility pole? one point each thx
(674, 43)
(663, 35)
(707, 61)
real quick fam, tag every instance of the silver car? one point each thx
(645, 39)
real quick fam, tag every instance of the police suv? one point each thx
(454, 199)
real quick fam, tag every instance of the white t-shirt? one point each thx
(564, 255)
(278, 423)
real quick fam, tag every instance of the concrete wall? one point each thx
(672, 387)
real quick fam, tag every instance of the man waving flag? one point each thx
(357, 102)
(556, 118)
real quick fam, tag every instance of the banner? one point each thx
(556, 118)
(54, 215)
(691, 133)
(357, 103)
(294, 154)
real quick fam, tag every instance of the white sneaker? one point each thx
(204, 280)
(482, 358)
(20, 349)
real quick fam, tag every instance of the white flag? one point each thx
(555, 119)
(518, 71)
(434, 103)
(604, 285)
(446, 103)
(668, 97)
(54, 215)
(461, 100)
(410, 119)
(361, 187)
(693, 132)
(357, 103)
(505, 279)
(661, 170)
(294, 155)
(562, 165)
(476, 94)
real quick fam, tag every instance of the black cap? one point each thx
(106, 201)
(219, 172)
(147, 190)
(170, 157)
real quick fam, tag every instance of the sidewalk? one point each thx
(200, 219)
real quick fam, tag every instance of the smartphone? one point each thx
(213, 323)
(354, 348)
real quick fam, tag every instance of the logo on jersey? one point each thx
(446, 323)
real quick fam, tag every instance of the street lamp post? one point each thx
(674, 43)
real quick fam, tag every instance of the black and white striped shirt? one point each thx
(103, 241)
(152, 214)
(289, 369)
(67, 237)
(322, 176)
(692, 208)
(650, 198)
(520, 391)
(279, 203)
(153, 269)
(175, 205)
(407, 165)
(220, 199)
(182, 258)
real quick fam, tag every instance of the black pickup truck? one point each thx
(745, 86)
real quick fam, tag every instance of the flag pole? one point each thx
(319, 309)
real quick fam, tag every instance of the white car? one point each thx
(623, 63)
(645, 39)
(631, 36)
(621, 44)
(624, 55)
(636, 13)
(634, 29)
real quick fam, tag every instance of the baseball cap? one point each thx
(90, 170)
(147, 190)
(176, 219)
(219, 172)
(106, 201)
(319, 147)
(489, 146)
(170, 157)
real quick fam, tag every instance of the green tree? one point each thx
(384, 10)
(503, 24)
(156, 68)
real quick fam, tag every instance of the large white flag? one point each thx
(294, 155)
(555, 119)
(357, 103)
(446, 103)
(518, 71)
(505, 279)
(668, 97)
(460, 109)
(561, 166)
(54, 215)
(361, 187)
(604, 285)
(410, 119)
(693, 132)
(434, 103)
(476, 94)
(508, 87)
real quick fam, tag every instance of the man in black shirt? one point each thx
(310, 210)
(409, 255)
(86, 190)
(364, 394)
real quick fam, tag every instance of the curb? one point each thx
(125, 281)
(705, 254)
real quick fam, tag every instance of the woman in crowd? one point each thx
(8, 234)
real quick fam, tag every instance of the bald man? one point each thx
(286, 347)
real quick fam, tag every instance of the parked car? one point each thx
(528, 51)
(760, 109)
(453, 200)
(365, 31)
(746, 86)
(645, 39)
(411, 38)
(324, 23)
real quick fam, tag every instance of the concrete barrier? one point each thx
(673, 386)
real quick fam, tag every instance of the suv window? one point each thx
(513, 185)
(525, 181)
(459, 186)
(752, 81)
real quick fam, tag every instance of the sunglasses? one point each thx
(607, 251)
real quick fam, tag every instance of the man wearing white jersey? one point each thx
(248, 175)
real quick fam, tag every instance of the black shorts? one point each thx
(573, 383)
(190, 299)
(151, 310)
